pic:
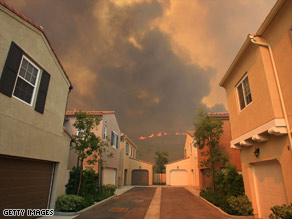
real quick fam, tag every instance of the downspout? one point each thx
(278, 85)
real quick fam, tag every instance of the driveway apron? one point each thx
(132, 204)
(177, 202)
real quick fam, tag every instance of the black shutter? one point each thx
(10, 69)
(42, 94)
(112, 138)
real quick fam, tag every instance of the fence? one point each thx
(159, 178)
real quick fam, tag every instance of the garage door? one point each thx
(178, 178)
(109, 176)
(24, 183)
(269, 186)
(140, 177)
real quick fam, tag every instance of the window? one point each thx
(25, 85)
(104, 132)
(114, 140)
(20, 77)
(244, 94)
(127, 148)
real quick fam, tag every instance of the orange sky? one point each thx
(151, 61)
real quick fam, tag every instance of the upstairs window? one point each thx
(26, 81)
(244, 94)
(114, 140)
(127, 148)
(20, 79)
(104, 132)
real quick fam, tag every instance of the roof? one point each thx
(127, 137)
(142, 161)
(247, 42)
(67, 132)
(219, 115)
(90, 112)
(40, 28)
(178, 160)
(191, 133)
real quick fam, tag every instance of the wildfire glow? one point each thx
(142, 138)
(160, 134)
(151, 136)
(177, 133)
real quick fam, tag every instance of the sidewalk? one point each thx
(118, 192)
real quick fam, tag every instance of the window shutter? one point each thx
(112, 138)
(42, 94)
(10, 69)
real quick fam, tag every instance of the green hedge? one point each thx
(229, 192)
(281, 212)
(69, 203)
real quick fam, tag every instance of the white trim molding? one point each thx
(275, 127)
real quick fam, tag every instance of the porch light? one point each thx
(257, 152)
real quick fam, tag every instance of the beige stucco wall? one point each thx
(112, 125)
(25, 132)
(130, 163)
(192, 153)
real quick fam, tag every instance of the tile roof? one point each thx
(67, 132)
(142, 161)
(191, 133)
(219, 114)
(40, 28)
(185, 158)
(90, 112)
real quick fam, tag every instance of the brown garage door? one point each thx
(24, 183)
(140, 177)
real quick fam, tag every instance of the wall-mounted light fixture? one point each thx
(140, 167)
(177, 167)
(257, 152)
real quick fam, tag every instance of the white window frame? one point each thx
(243, 90)
(115, 145)
(34, 86)
(104, 132)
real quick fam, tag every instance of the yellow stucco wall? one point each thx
(266, 105)
(25, 132)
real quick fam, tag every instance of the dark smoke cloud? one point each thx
(137, 72)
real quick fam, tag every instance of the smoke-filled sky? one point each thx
(151, 61)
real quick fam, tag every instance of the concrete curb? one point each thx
(219, 209)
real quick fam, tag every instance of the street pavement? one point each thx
(152, 202)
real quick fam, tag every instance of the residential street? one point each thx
(139, 202)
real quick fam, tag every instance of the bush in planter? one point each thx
(281, 212)
(110, 189)
(69, 203)
(240, 205)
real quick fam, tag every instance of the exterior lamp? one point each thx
(257, 152)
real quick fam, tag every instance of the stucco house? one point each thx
(108, 130)
(258, 89)
(188, 171)
(132, 170)
(34, 89)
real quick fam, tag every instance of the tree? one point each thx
(160, 161)
(207, 133)
(87, 144)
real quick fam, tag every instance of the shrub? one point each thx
(110, 189)
(69, 203)
(281, 212)
(89, 184)
(240, 205)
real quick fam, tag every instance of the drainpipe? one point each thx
(278, 84)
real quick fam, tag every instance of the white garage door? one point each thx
(178, 178)
(109, 176)
(269, 186)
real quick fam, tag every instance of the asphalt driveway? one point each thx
(133, 204)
